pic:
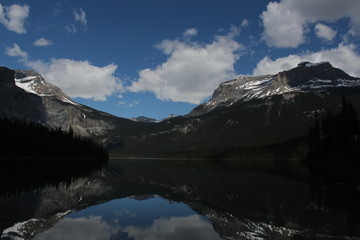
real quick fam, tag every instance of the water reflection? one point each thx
(127, 218)
(242, 200)
(337, 190)
(92, 227)
(176, 228)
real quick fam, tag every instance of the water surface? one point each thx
(187, 199)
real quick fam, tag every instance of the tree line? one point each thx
(335, 139)
(19, 138)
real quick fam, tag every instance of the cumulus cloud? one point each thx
(16, 51)
(283, 26)
(75, 78)
(324, 32)
(344, 57)
(286, 22)
(42, 42)
(89, 228)
(13, 17)
(175, 228)
(192, 70)
(80, 78)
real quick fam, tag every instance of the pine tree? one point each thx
(337, 139)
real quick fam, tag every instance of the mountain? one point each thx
(16, 102)
(144, 119)
(247, 116)
(306, 77)
(250, 112)
(26, 94)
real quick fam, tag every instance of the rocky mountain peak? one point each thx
(26, 94)
(33, 82)
(144, 119)
(306, 76)
(15, 102)
(306, 72)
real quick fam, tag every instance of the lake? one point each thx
(184, 199)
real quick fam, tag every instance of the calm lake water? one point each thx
(186, 199)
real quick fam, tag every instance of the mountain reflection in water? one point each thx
(171, 199)
(128, 218)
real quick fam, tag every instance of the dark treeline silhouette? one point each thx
(293, 149)
(19, 138)
(335, 189)
(335, 138)
(334, 163)
(32, 155)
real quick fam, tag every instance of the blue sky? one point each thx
(156, 57)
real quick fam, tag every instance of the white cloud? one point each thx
(75, 78)
(344, 57)
(80, 78)
(42, 42)
(93, 227)
(175, 228)
(286, 22)
(16, 51)
(13, 17)
(283, 26)
(324, 32)
(192, 70)
(80, 16)
(129, 104)
(190, 32)
(245, 22)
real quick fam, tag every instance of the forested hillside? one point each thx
(19, 138)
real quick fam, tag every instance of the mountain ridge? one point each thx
(55, 108)
(305, 77)
(248, 111)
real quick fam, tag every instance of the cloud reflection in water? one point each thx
(89, 228)
(175, 228)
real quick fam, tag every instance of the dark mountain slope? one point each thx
(26, 94)
(249, 112)
(245, 112)
(16, 102)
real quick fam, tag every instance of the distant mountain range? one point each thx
(246, 112)
(144, 119)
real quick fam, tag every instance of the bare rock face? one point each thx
(247, 111)
(305, 77)
(15, 102)
(26, 94)
(251, 111)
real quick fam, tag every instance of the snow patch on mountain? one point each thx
(16, 232)
(26, 85)
(30, 84)
(306, 77)
(34, 83)
(68, 100)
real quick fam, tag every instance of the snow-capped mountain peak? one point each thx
(305, 77)
(33, 82)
